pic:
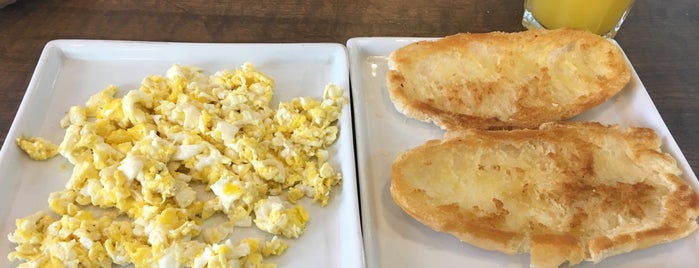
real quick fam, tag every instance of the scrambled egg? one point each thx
(138, 159)
(37, 148)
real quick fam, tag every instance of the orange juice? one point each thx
(598, 16)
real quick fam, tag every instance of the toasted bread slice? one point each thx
(564, 192)
(505, 80)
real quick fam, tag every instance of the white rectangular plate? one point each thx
(393, 239)
(70, 71)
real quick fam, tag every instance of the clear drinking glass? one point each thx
(603, 17)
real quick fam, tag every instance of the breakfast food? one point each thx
(563, 192)
(505, 80)
(37, 148)
(152, 167)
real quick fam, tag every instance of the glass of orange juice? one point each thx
(603, 17)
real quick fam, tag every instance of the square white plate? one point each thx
(70, 71)
(393, 239)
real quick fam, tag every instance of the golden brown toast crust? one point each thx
(565, 192)
(505, 80)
